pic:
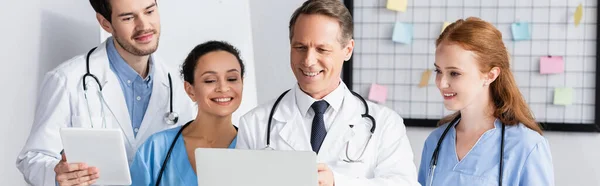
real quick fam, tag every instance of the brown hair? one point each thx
(330, 8)
(485, 41)
(103, 7)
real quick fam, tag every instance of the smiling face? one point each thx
(135, 25)
(458, 77)
(218, 84)
(317, 55)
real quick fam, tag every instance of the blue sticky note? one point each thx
(403, 33)
(521, 31)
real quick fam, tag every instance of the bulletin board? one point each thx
(563, 100)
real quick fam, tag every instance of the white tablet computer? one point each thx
(237, 167)
(100, 148)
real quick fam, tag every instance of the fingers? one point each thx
(93, 170)
(87, 183)
(64, 167)
(86, 180)
(323, 179)
(322, 167)
(83, 173)
(86, 176)
(325, 176)
(64, 158)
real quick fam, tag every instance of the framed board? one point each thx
(553, 33)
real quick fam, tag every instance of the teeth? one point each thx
(222, 99)
(451, 94)
(311, 74)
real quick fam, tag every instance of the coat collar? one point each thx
(334, 99)
(115, 100)
(288, 114)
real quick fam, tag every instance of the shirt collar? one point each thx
(497, 125)
(335, 98)
(121, 68)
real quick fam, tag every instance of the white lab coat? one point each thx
(61, 103)
(388, 159)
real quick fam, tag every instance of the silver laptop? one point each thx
(237, 167)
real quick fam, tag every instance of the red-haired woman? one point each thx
(492, 139)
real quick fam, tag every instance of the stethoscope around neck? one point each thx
(170, 117)
(348, 159)
(434, 158)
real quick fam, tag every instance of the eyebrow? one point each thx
(213, 72)
(297, 43)
(436, 66)
(131, 13)
(323, 45)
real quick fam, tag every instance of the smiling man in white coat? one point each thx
(321, 114)
(137, 90)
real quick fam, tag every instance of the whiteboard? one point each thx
(399, 67)
(187, 23)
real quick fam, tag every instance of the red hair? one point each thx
(485, 41)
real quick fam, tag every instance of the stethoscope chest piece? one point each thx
(171, 118)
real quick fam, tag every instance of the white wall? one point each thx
(35, 39)
(270, 19)
(576, 155)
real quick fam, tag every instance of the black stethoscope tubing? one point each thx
(454, 122)
(366, 114)
(171, 117)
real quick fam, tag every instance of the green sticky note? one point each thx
(563, 96)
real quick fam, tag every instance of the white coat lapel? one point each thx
(159, 103)
(112, 92)
(288, 115)
(349, 114)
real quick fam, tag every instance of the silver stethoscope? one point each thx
(434, 158)
(170, 117)
(348, 159)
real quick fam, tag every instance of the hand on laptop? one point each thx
(68, 174)
(325, 175)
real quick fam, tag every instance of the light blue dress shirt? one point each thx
(150, 156)
(527, 159)
(137, 91)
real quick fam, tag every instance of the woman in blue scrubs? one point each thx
(213, 73)
(493, 138)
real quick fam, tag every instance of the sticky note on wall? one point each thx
(444, 26)
(425, 78)
(563, 96)
(520, 31)
(578, 14)
(403, 33)
(378, 93)
(397, 5)
(552, 65)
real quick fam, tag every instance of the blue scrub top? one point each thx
(150, 156)
(527, 159)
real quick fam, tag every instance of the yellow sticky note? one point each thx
(397, 5)
(563, 96)
(444, 27)
(425, 78)
(578, 14)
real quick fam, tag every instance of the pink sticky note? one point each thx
(378, 93)
(552, 65)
